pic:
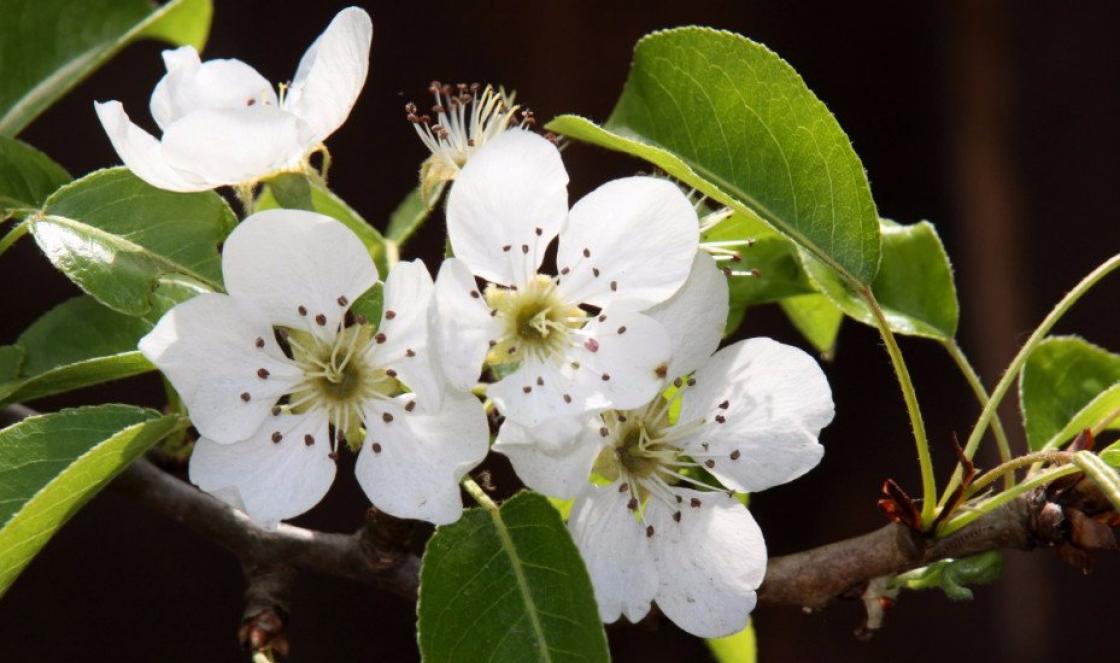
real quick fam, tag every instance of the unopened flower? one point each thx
(224, 124)
(279, 374)
(653, 517)
(466, 118)
(569, 343)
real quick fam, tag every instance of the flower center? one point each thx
(535, 320)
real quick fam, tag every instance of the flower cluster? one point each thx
(592, 330)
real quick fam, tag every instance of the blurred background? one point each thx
(995, 120)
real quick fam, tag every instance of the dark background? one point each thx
(995, 120)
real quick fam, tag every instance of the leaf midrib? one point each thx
(522, 583)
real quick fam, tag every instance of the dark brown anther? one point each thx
(649, 531)
(606, 377)
(390, 314)
(524, 248)
(691, 382)
(622, 418)
(539, 231)
(492, 342)
(709, 463)
(595, 272)
(390, 372)
(694, 503)
(587, 253)
(661, 371)
(309, 440)
(387, 417)
(720, 419)
(564, 271)
(677, 516)
(724, 405)
(259, 342)
(623, 487)
(262, 373)
(245, 396)
(735, 454)
(276, 436)
(604, 431)
(376, 446)
(677, 382)
(527, 389)
(591, 344)
(632, 504)
(276, 410)
(302, 309)
(614, 286)
(410, 406)
(540, 381)
(506, 248)
(567, 398)
(342, 300)
(622, 329)
(409, 352)
(321, 320)
(475, 294)
(380, 337)
(513, 349)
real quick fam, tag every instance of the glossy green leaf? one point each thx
(507, 585)
(407, 218)
(818, 320)
(27, 176)
(48, 46)
(294, 191)
(1067, 385)
(738, 648)
(729, 117)
(81, 343)
(117, 237)
(51, 465)
(914, 286)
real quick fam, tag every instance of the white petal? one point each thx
(695, 316)
(556, 471)
(506, 205)
(777, 401)
(640, 233)
(420, 459)
(709, 564)
(190, 85)
(142, 153)
(462, 325)
(282, 259)
(236, 145)
(540, 391)
(404, 328)
(616, 551)
(207, 348)
(331, 73)
(272, 481)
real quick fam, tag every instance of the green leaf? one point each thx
(407, 218)
(507, 585)
(295, 191)
(48, 46)
(1102, 474)
(818, 320)
(52, 464)
(1067, 385)
(81, 343)
(27, 176)
(738, 648)
(729, 117)
(116, 237)
(914, 286)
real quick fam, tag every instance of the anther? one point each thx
(587, 253)
(386, 417)
(524, 248)
(724, 405)
(376, 446)
(621, 418)
(390, 314)
(409, 352)
(720, 419)
(694, 502)
(567, 398)
(262, 373)
(492, 342)
(614, 286)
(677, 382)
(622, 329)
(595, 272)
(513, 349)
(606, 376)
(677, 516)
(661, 371)
(623, 487)
(410, 406)
(260, 342)
(302, 309)
(564, 272)
(245, 396)
(527, 389)
(380, 337)
(342, 301)
(604, 431)
(308, 440)
(538, 231)
(679, 498)
(276, 436)
(390, 372)
(592, 345)
(709, 463)
(602, 318)
(321, 320)
(540, 381)
(649, 531)
(506, 248)
(691, 382)
(575, 365)
(632, 504)
(276, 410)
(474, 294)
(735, 455)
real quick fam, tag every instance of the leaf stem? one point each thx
(970, 376)
(993, 503)
(1007, 468)
(925, 462)
(1016, 365)
(479, 494)
(13, 235)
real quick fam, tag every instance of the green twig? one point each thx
(998, 500)
(981, 394)
(1016, 365)
(925, 462)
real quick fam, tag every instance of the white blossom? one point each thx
(279, 374)
(573, 342)
(653, 517)
(224, 124)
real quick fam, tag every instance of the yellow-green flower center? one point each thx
(535, 320)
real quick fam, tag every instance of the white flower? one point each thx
(657, 523)
(467, 117)
(574, 342)
(223, 123)
(278, 373)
